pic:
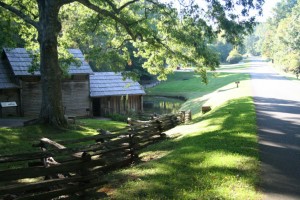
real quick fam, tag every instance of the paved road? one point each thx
(277, 102)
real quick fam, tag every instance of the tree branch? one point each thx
(118, 10)
(127, 4)
(106, 13)
(63, 2)
(112, 5)
(20, 14)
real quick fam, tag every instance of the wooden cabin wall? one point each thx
(9, 95)
(31, 93)
(134, 103)
(120, 104)
(110, 105)
(76, 97)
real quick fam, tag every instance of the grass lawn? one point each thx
(20, 140)
(215, 157)
(190, 86)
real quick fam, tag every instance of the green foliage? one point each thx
(9, 30)
(279, 36)
(118, 117)
(223, 48)
(234, 57)
(282, 10)
(163, 37)
(250, 44)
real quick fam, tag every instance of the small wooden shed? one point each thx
(111, 94)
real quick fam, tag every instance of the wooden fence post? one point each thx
(190, 115)
(132, 144)
(182, 116)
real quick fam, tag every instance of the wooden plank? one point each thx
(64, 191)
(113, 165)
(146, 134)
(143, 140)
(18, 188)
(155, 126)
(24, 157)
(47, 141)
(32, 172)
(86, 139)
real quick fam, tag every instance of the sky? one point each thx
(267, 9)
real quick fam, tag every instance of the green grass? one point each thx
(217, 158)
(18, 140)
(190, 86)
(214, 157)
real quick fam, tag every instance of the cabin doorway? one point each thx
(96, 107)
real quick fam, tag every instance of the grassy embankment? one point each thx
(190, 86)
(215, 157)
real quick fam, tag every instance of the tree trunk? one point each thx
(52, 110)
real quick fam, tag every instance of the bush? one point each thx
(118, 117)
(234, 57)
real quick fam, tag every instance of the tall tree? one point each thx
(163, 35)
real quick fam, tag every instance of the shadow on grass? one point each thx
(217, 163)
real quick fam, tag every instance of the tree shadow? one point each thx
(279, 145)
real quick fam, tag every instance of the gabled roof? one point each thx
(21, 61)
(112, 84)
(6, 77)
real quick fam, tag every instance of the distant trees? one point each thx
(228, 52)
(234, 57)
(223, 48)
(279, 37)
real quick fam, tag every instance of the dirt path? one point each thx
(277, 102)
(12, 122)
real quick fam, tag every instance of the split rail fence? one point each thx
(61, 169)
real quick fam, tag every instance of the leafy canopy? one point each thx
(279, 37)
(164, 35)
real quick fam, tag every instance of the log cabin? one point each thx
(85, 93)
(24, 87)
(111, 94)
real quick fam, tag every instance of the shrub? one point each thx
(118, 117)
(234, 57)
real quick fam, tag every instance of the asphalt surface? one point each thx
(277, 102)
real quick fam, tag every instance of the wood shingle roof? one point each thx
(112, 84)
(6, 77)
(21, 61)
